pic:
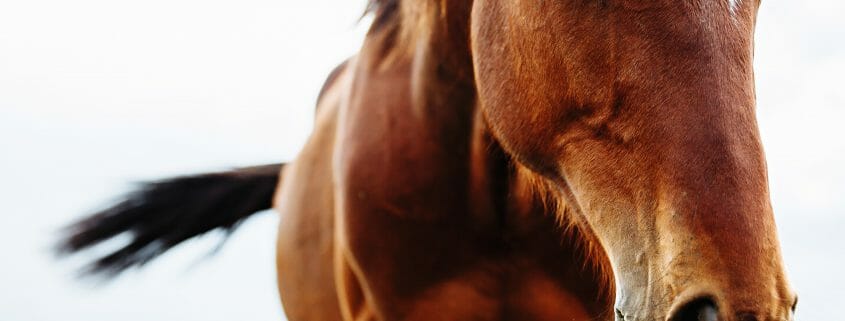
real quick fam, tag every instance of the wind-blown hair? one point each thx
(401, 23)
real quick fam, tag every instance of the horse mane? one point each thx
(401, 23)
(383, 11)
(397, 27)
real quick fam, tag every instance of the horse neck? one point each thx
(430, 67)
(435, 40)
(443, 98)
(500, 187)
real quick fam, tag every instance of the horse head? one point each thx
(641, 115)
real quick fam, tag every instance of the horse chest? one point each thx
(495, 291)
(423, 229)
(415, 267)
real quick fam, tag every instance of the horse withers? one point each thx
(511, 160)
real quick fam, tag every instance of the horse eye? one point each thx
(795, 304)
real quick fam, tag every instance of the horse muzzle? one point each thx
(702, 308)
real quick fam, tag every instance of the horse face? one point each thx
(642, 114)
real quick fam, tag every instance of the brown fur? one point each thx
(532, 160)
(559, 90)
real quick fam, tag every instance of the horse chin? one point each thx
(634, 307)
(639, 298)
(632, 299)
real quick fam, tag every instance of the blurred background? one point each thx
(96, 95)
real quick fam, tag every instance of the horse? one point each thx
(509, 160)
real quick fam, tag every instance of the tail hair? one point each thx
(162, 214)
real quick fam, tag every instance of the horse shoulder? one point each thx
(305, 202)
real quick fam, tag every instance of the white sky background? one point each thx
(95, 95)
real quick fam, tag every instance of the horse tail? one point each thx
(162, 214)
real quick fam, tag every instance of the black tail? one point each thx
(162, 214)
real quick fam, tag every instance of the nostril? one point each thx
(697, 310)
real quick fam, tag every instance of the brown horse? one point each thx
(511, 160)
